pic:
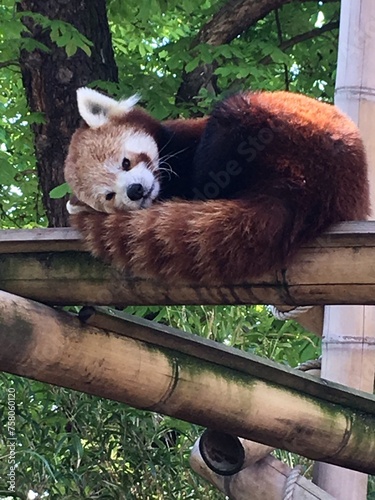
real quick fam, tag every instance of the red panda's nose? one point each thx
(135, 192)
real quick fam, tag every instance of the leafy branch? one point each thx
(62, 33)
(234, 18)
(308, 35)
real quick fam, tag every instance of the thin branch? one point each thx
(6, 64)
(234, 18)
(5, 215)
(302, 38)
(280, 37)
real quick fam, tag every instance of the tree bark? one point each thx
(234, 18)
(51, 79)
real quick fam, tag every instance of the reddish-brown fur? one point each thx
(311, 174)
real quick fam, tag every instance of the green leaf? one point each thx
(142, 49)
(7, 170)
(86, 49)
(60, 191)
(63, 40)
(70, 48)
(30, 44)
(192, 64)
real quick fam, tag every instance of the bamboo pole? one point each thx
(234, 359)
(349, 332)
(226, 455)
(52, 346)
(263, 478)
(50, 266)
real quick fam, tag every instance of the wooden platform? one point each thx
(49, 265)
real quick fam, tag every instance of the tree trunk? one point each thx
(51, 79)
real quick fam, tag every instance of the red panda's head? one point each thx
(113, 160)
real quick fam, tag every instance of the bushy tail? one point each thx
(213, 241)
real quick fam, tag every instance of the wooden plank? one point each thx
(40, 240)
(352, 234)
(64, 278)
(49, 265)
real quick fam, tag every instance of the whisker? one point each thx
(164, 166)
(166, 144)
(172, 155)
(168, 170)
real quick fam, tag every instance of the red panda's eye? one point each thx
(125, 163)
(110, 196)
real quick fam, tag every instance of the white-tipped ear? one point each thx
(96, 108)
(125, 105)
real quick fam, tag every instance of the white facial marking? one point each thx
(135, 142)
(73, 209)
(77, 209)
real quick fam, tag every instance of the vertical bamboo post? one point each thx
(349, 331)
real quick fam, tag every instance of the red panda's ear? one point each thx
(96, 109)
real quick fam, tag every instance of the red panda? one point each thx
(225, 197)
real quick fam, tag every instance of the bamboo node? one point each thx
(349, 339)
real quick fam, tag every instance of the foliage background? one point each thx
(71, 445)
